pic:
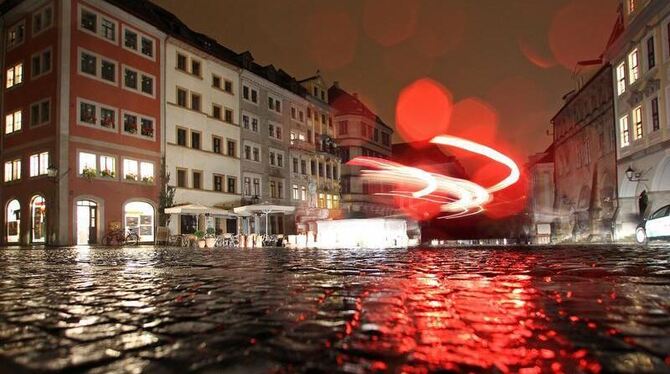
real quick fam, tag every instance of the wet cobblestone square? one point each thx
(146, 309)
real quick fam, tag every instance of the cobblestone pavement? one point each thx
(146, 309)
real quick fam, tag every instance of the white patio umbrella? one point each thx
(264, 208)
(197, 209)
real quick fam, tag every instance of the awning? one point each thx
(264, 208)
(198, 209)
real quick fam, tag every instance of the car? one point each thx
(656, 226)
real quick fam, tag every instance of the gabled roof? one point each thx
(346, 103)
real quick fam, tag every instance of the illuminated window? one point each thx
(621, 78)
(303, 193)
(108, 166)
(147, 172)
(633, 66)
(13, 122)
(631, 6)
(130, 170)
(295, 192)
(39, 163)
(14, 75)
(625, 132)
(87, 163)
(637, 122)
(12, 170)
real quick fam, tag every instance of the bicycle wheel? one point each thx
(132, 239)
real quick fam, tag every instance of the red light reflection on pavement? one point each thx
(461, 322)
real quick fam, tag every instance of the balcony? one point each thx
(327, 145)
(302, 145)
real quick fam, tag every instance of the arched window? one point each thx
(13, 219)
(139, 218)
(38, 215)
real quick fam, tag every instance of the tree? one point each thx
(166, 194)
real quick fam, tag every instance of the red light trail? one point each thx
(457, 197)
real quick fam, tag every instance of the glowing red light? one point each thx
(423, 110)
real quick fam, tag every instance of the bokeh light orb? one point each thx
(423, 110)
(389, 22)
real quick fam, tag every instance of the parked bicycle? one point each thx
(119, 237)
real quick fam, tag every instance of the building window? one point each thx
(303, 193)
(195, 67)
(39, 163)
(232, 183)
(181, 97)
(147, 85)
(250, 94)
(231, 145)
(218, 183)
(376, 135)
(130, 38)
(274, 104)
(147, 127)
(130, 170)
(98, 67)
(181, 62)
(12, 170)
(42, 19)
(40, 113)
(195, 139)
(107, 166)
(655, 124)
(295, 165)
(147, 172)
(256, 154)
(137, 81)
(621, 78)
(625, 132)
(633, 66)
(273, 189)
(247, 152)
(303, 167)
(312, 167)
(651, 54)
(16, 35)
(195, 101)
(13, 122)
(228, 86)
(247, 186)
(386, 139)
(342, 128)
(637, 122)
(130, 79)
(147, 47)
(105, 28)
(14, 75)
(216, 81)
(181, 137)
(228, 116)
(257, 187)
(181, 178)
(41, 63)
(216, 111)
(87, 163)
(295, 193)
(216, 144)
(197, 180)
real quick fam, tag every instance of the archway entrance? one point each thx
(87, 222)
(38, 214)
(139, 218)
(13, 219)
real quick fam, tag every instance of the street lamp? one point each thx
(633, 176)
(52, 171)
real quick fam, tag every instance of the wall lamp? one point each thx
(633, 176)
(52, 172)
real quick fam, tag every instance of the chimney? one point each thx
(336, 84)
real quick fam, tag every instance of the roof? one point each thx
(346, 103)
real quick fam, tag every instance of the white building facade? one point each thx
(202, 131)
(640, 59)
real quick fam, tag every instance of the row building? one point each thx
(113, 110)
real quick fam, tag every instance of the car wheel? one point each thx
(641, 235)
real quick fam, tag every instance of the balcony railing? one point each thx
(302, 145)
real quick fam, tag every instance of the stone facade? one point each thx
(640, 58)
(584, 160)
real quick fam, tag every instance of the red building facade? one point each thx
(88, 144)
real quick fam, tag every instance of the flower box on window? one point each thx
(89, 173)
(89, 118)
(130, 125)
(131, 177)
(147, 131)
(107, 173)
(148, 179)
(107, 122)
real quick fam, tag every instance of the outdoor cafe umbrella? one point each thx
(265, 208)
(197, 209)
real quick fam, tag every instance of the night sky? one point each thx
(512, 57)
